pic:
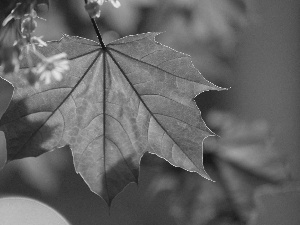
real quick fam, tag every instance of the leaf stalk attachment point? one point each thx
(97, 31)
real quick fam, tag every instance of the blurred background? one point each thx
(250, 46)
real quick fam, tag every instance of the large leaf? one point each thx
(113, 105)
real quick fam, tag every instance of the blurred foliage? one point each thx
(208, 30)
(277, 205)
(242, 160)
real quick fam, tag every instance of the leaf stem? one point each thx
(97, 31)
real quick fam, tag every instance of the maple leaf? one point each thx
(114, 104)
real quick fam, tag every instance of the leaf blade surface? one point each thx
(113, 105)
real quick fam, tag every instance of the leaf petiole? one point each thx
(97, 31)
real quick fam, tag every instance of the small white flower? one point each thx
(93, 7)
(28, 26)
(38, 41)
(115, 3)
(53, 67)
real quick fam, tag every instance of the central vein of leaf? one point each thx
(104, 119)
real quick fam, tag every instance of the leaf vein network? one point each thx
(154, 66)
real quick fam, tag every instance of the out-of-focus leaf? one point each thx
(43, 173)
(114, 104)
(249, 146)
(246, 158)
(6, 91)
(3, 153)
(278, 205)
(206, 29)
(194, 201)
(240, 161)
(213, 20)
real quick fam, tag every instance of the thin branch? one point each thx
(98, 33)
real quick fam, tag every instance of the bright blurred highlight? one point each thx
(26, 211)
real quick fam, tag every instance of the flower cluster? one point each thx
(93, 7)
(16, 35)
